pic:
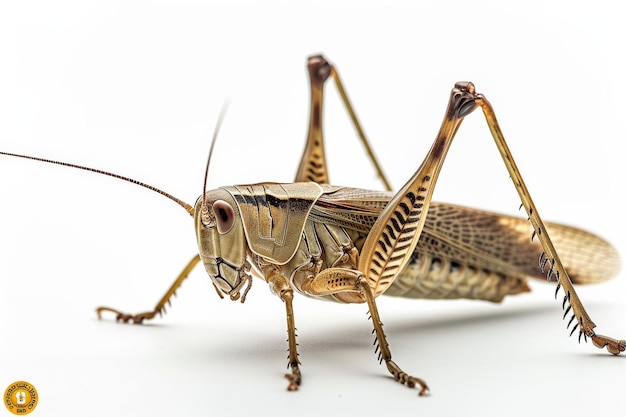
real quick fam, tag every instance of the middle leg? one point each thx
(338, 280)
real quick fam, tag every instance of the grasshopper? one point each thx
(351, 245)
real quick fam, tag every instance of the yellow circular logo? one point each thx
(20, 398)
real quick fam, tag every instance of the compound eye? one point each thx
(224, 216)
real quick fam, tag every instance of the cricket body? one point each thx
(351, 245)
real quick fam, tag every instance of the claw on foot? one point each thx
(294, 379)
(406, 379)
(613, 346)
(293, 384)
(126, 318)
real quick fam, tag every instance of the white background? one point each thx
(135, 87)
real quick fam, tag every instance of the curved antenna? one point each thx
(204, 209)
(178, 201)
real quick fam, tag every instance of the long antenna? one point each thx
(178, 201)
(218, 124)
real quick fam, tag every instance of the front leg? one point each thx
(279, 285)
(295, 378)
(159, 309)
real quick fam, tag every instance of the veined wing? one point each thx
(484, 240)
